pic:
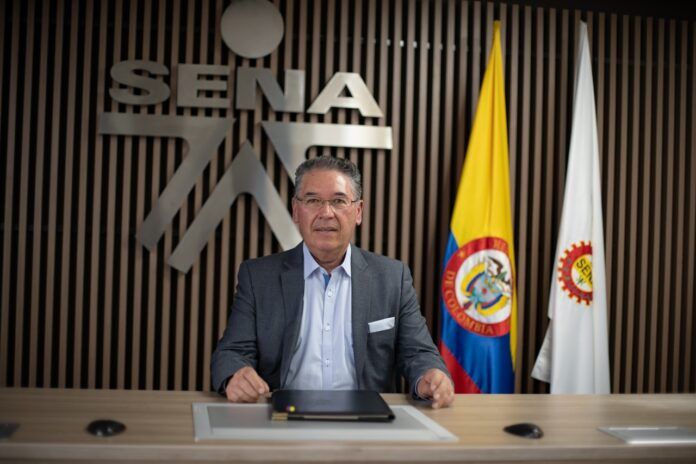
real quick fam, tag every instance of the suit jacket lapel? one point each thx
(292, 283)
(361, 292)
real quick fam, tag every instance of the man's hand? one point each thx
(435, 385)
(245, 386)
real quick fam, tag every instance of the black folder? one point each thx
(331, 405)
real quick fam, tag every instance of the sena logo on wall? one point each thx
(252, 29)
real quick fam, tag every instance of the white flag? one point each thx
(574, 357)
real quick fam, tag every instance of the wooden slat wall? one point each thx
(84, 305)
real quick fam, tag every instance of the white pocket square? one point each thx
(382, 324)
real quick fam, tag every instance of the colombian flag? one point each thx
(478, 297)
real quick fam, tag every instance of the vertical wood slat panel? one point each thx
(9, 187)
(667, 308)
(200, 292)
(38, 200)
(268, 154)
(545, 220)
(419, 186)
(643, 301)
(329, 55)
(80, 275)
(475, 56)
(180, 281)
(343, 41)
(406, 152)
(168, 315)
(657, 209)
(599, 71)
(50, 297)
(610, 147)
(150, 364)
(513, 112)
(122, 160)
(24, 192)
(96, 243)
(534, 300)
(224, 254)
(151, 327)
(138, 258)
(462, 78)
(690, 277)
(211, 247)
(618, 239)
(431, 241)
(383, 101)
(632, 269)
(566, 93)
(131, 144)
(192, 300)
(548, 254)
(172, 364)
(211, 300)
(67, 180)
(355, 60)
(207, 300)
(110, 291)
(680, 128)
(447, 189)
(368, 73)
(523, 191)
(107, 337)
(488, 30)
(396, 108)
(5, 283)
(380, 87)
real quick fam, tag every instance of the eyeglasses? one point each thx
(315, 203)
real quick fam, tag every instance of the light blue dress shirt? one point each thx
(324, 357)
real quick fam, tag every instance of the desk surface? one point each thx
(160, 427)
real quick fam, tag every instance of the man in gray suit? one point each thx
(326, 314)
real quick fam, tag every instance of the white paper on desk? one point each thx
(652, 435)
(225, 421)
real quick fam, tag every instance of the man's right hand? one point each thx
(245, 386)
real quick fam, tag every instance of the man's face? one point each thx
(326, 231)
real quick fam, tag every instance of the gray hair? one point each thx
(330, 163)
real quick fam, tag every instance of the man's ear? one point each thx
(358, 213)
(295, 213)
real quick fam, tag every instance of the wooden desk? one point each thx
(160, 427)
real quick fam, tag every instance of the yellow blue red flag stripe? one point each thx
(478, 298)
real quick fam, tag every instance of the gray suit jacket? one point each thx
(264, 322)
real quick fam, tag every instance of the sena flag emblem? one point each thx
(574, 356)
(575, 272)
(477, 287)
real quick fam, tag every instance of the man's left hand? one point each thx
(436, 386)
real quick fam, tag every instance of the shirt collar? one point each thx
(311, 265)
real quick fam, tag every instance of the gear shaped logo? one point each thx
(575, 272)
